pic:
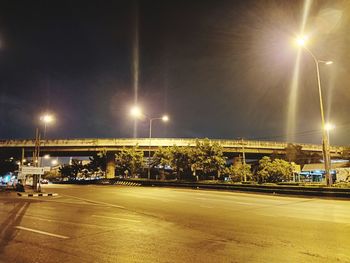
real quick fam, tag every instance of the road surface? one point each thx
(144, 224)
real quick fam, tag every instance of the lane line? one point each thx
(206, 206)
(66, 222)
(94, 202)
(202, 198)
(243, 203)
(40, 232)
(118, 218)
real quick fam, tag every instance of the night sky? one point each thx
(219, 69)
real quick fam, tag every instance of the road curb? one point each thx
(127, 183)
(282, 190)
(36, 194)
(252, 188)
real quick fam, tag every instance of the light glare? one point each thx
(301, 41)
(47, 118)
(136, 112)
(165, 118)
(329, 126)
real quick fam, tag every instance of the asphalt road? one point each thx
(140, 224)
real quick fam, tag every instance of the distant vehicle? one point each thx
(44, 181)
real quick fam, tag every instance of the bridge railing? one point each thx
(157, 142)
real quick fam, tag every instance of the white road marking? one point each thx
(243, 203)
(117, 218)
(41, 232)
(19, 212)
(201, 198)
(206, 206)
(95, 202)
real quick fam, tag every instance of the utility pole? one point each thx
(244, 163)
(36, 156)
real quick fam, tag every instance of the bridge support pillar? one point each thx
(110, 167)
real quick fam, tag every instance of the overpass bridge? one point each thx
(86, 147)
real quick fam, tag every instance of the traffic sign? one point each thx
(32, 170)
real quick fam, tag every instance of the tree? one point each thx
(208, 157)
(71, 171)
(66, 171)
(77, 167)
(129, 159)
(273, 171)
(162, 157)
(181, 161)
(205, 156)
(97, 164)
(293, 152)
(236, 173)
(281, 171)
(263, 169)
(7, 166)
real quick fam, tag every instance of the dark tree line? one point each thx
(203, 161)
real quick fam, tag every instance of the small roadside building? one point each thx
(315, 172)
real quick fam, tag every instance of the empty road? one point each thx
(141, 224)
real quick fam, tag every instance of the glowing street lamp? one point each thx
(165, 118)
(329, 126)
(137, 113)
(47, 119)
(301, 41)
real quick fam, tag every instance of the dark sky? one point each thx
(220, 69)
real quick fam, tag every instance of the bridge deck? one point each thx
(87, 145)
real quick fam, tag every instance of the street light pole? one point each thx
(165, 118)
(149, 149)
(46, 119)
(325, 143)
(137, 113)
(244, 162)
(45, 126)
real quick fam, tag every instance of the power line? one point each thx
(343, 126)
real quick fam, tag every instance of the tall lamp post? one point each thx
(325, 143)
(46, 119)
(329, 127)
(137, 113)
